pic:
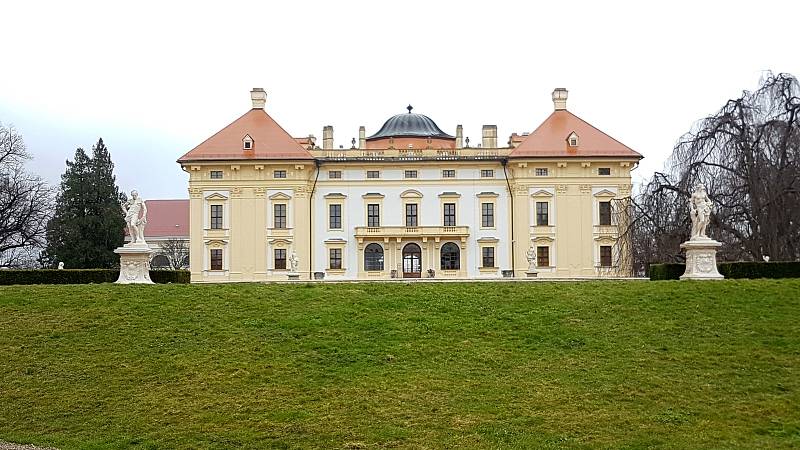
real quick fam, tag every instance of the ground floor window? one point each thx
(160, 262)
(543, 256)
(451, 257)
(488, 256)
(280, 259)
(605, 255)
(373, 257)
(216, 259)
(335, 258)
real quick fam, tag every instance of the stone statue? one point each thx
(132, 209)
(701, 251)
(61, 265)
(294, 261)
(700, 212)
(531, 256)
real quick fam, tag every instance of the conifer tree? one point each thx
(88, 223)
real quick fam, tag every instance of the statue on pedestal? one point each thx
(294, 262)
(134, 257)
(531, 257)
(132, 209)
(701, 251)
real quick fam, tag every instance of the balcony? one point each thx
(422, 231)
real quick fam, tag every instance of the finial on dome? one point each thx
(409, 108)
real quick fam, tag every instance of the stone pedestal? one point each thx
(134, 264)
(701, 259)
(294, 276)
(531, 274)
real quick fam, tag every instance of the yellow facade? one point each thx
(489, 207)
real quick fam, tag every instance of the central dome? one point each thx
(410, 124)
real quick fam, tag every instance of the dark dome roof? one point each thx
(410, 124)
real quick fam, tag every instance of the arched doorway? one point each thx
(412, 261)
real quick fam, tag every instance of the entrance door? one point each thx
(412, 261)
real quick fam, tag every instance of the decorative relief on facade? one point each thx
(260, 191)
(236, 192)
(585, 188)
(625, 189)
(195, 193)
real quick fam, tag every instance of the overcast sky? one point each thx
(154, 79)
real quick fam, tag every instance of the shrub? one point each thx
(169, 276)
(83, 276)
(739, 269)
(778, 269)
(670, 271)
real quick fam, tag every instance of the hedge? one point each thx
(83, 276)
(741, 269)
(669, 271)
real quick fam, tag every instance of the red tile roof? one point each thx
(270, 141)
(550, 140)
(167, 218)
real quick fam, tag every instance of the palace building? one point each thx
(408, 201)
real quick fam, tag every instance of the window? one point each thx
(279, 174)
(451, 257)
(216, 259)
(543, 256)
(279, 220)
(373, 257)
(448, 173)
(373, 215)
(373, 174)
(411, 174)
(604, 171)
(334, 174)
(605, 213)
(573, 142)
(605, 255)
(248, 145)
(411, 214)
(542, 218)
(541, 171)
(487, 173)
(449, 215)
(280, 259)
(216, 174)
(160, 262)
(488, 256)
(487, 215)
(335, 258)
(216, 217)
(335, 216)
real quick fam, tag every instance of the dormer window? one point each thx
(572, 139)
(247, 142)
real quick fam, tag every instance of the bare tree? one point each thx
(748, 156)
(25, 204)
(177, 252)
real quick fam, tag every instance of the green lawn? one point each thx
(452, 365)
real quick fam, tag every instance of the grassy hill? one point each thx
(424, 365)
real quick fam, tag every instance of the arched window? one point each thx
(451, 257)
(373, 257)
(160, 262)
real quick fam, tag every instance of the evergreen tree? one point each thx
(88, 222)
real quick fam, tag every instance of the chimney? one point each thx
(489, 136)
(259, 98)
(362, 137)
(560, 99)
(327, 137)
(459, 136)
